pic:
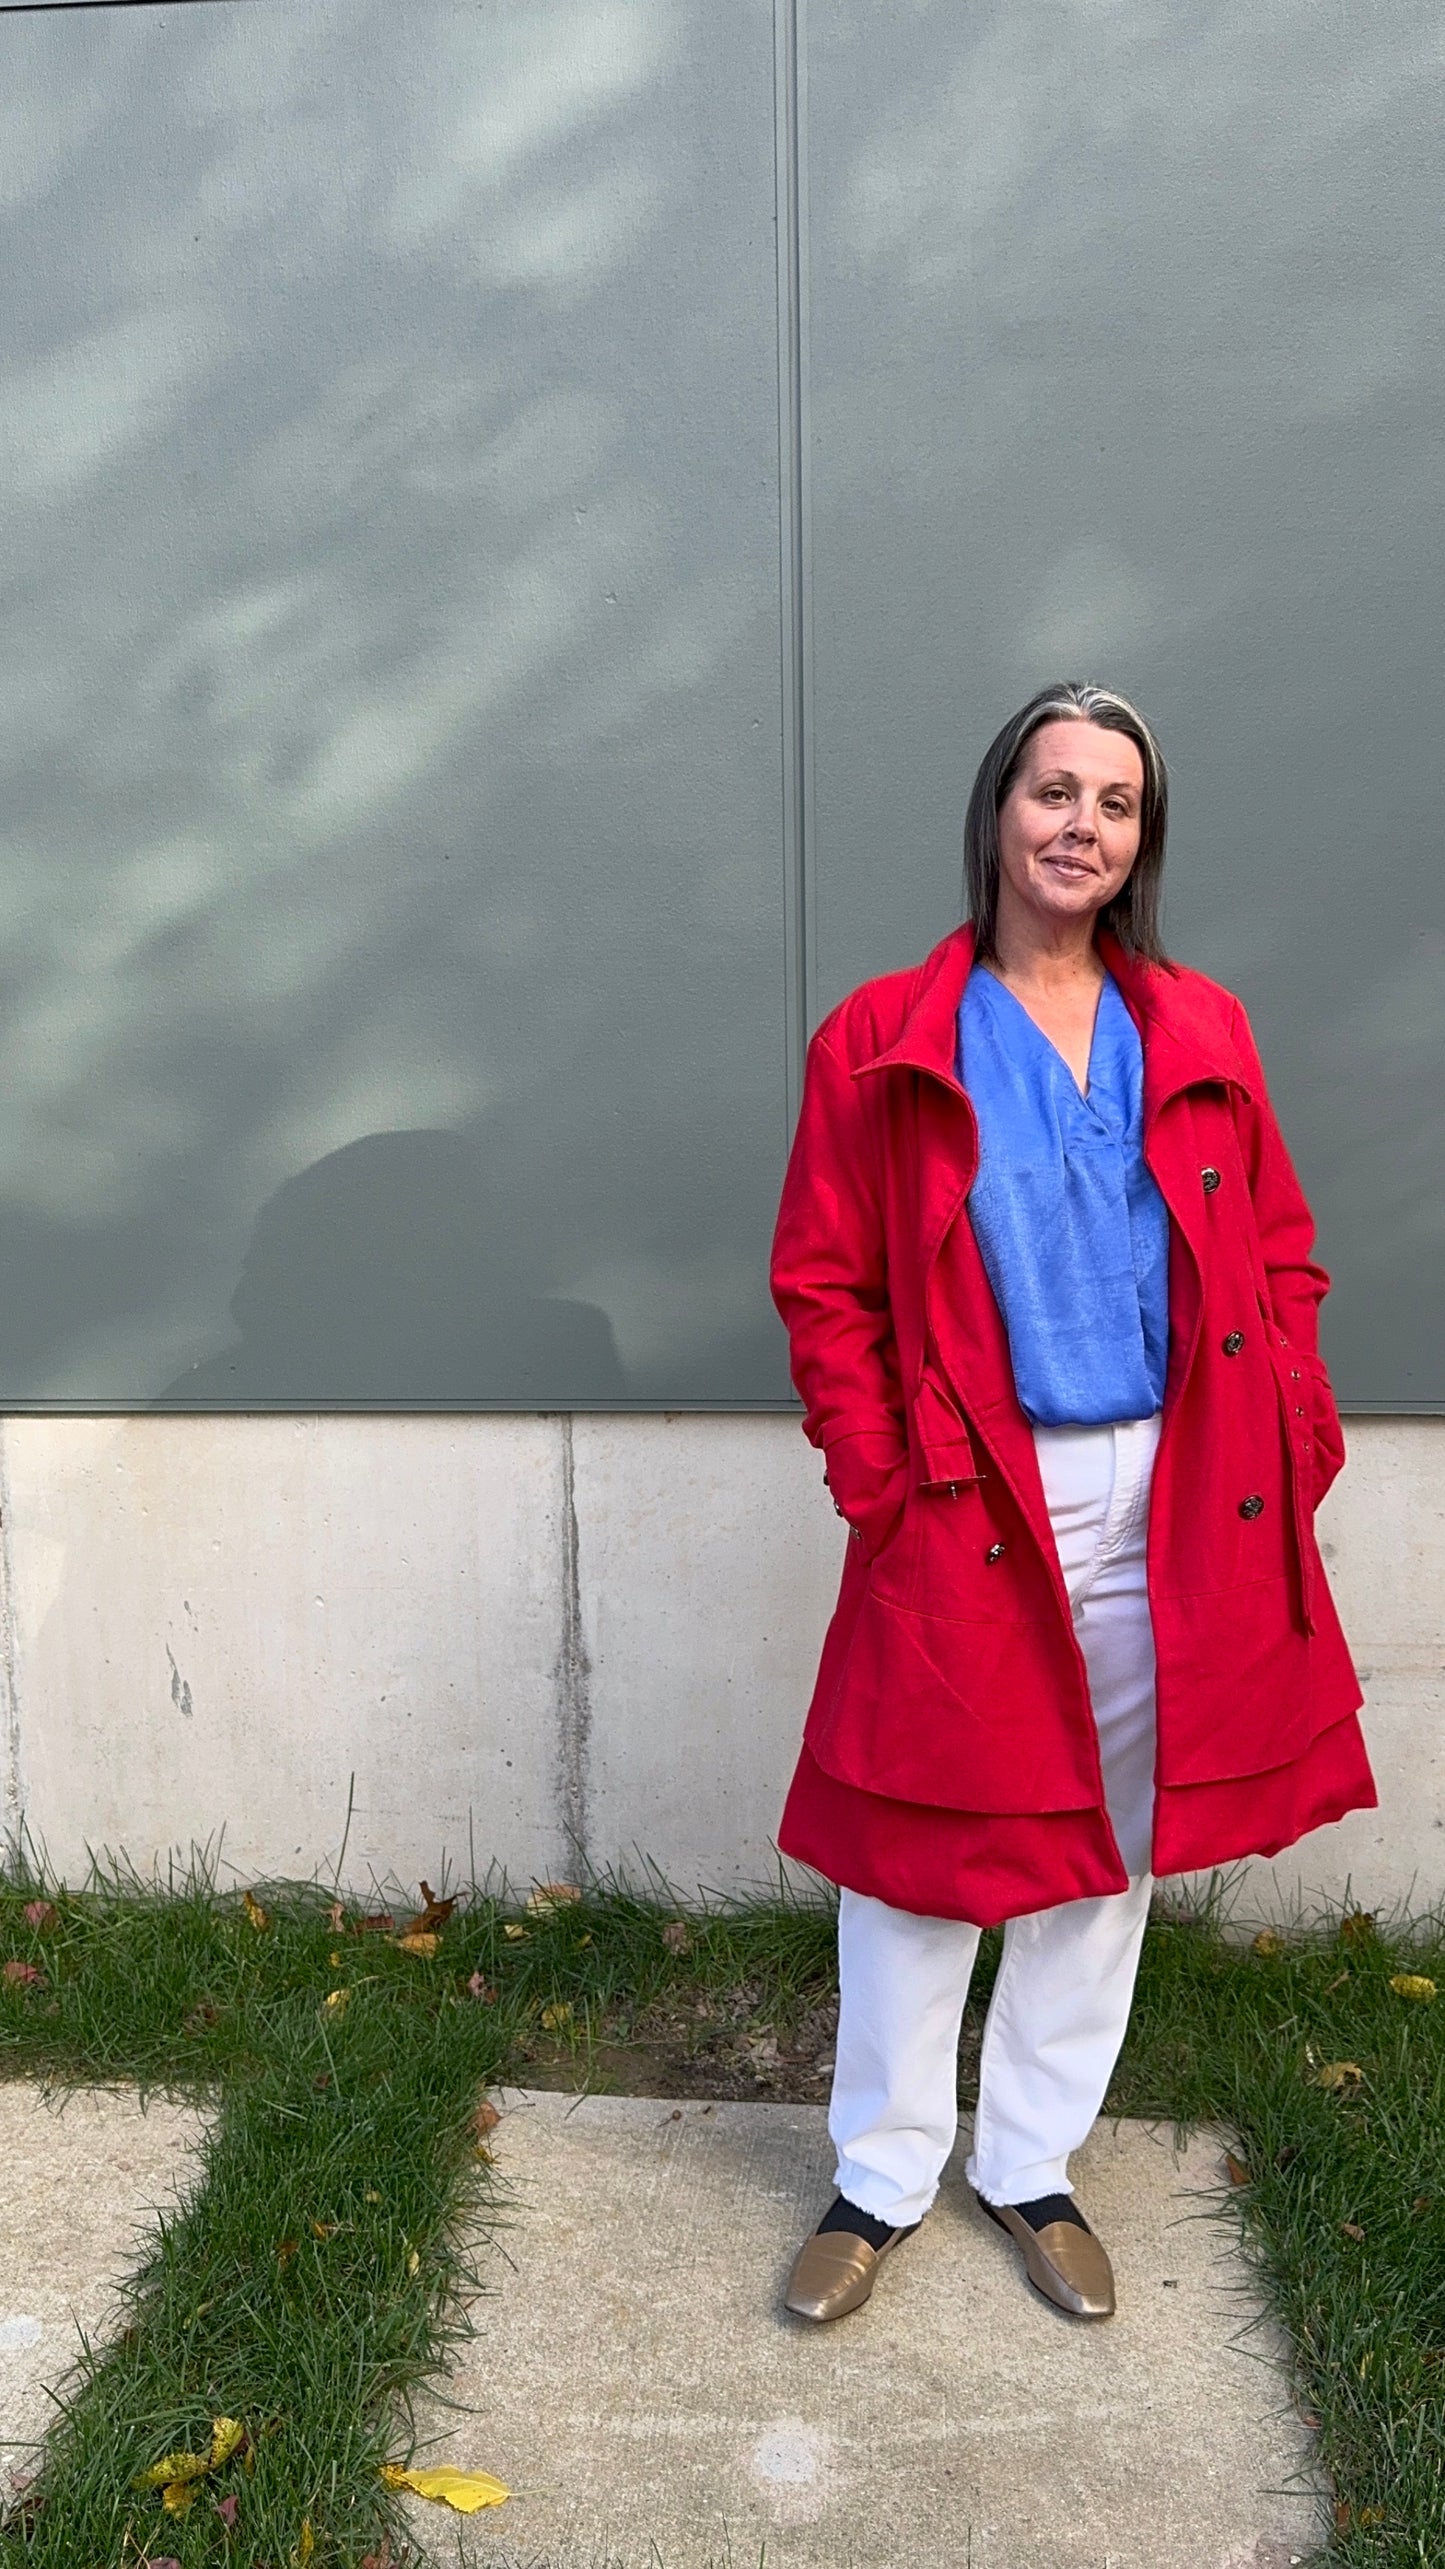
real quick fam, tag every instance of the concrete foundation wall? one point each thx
(532, 1641)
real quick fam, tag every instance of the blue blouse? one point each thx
(1073, 1231)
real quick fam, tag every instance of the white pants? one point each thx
(1061, 2001)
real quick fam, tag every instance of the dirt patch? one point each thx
(720, 2049)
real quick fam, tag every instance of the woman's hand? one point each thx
(868, 1476)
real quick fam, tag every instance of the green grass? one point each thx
(312, 2284)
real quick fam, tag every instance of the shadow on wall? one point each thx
(380, 1276)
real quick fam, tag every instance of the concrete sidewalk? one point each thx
(83, 2171)
(637, 2385)
(635, 2382)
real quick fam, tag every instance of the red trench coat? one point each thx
(950, 1763)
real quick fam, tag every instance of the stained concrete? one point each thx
(531, 1641)
(636, 2383)
(84, 2173)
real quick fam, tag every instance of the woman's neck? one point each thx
(1052, 958)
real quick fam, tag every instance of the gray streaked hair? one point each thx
(1133, 914)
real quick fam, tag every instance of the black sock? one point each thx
(1050, 2207)
(842, 2215)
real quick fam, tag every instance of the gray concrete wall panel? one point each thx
(391, 843)
(536, 1643)
(1126, 361)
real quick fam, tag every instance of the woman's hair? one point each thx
(1133, 914)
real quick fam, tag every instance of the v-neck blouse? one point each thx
(1073, 1231)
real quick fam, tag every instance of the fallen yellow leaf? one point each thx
(413, 2261)
(1267, 1942)
(172, 2469)
(551, 1895)
(179, 2495)
(228, 2434)
(467, 2491)
(1338, 2074)
(305, 2543)
(256, 1916)
(336, 2000)
(558, 2017)
(421, 1942)
(514, 1935)
(1412, 1984)
(372, 2194)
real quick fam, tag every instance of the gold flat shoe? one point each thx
(833, 2273)
(1069, 2266)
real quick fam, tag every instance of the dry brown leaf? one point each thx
(256, 1916)
(1237, 2170)
(334, 1916)
(286, 2251)
(200, 2017)
(1422, 2203)
(547, 1896)
(228, 2509)
(22, 1975)
(1413, 1984)
(482, 1989)
(1352, 2229)
(418, 1940)
(1358, 1928)
(677, 1936)
(1344, 2515)
(379, 1923)
(433, 1915)
(1337, 2075)
(1267, 1942)
(42, 1915)
(485, 2119)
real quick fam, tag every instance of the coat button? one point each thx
(1209, 1180)
(1253, 1506)
(994, 1553)
(1234, 1342)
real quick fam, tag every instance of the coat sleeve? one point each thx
(830, 1283)
(1296, 1284)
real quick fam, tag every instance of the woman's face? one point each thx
(1068, 828)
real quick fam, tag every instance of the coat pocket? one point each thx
(963, 1716)
(940, 1433)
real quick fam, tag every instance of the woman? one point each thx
(1045, 1268)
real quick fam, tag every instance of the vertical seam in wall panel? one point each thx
(796, 653)
(573, 1674)
(11, 1805)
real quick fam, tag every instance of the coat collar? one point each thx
(1183, 1043)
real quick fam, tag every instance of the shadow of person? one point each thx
(380, 1278)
